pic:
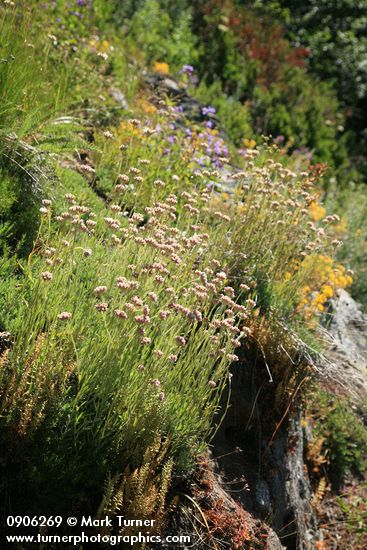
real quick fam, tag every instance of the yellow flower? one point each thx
(349, 279)
(317, 212)
(104, 47)
(126, 127)
(319, 299)
(249, 143)
(101, 47)
(146, 107)
(160, 67)
(340, 228)
(328, 291)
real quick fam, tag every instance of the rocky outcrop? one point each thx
(278, 489)
(344, 365)
(264, 483)
(165, 85)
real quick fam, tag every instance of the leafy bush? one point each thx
(153, 31)
(259, 68)
(294, 110)
(335, 37)
(234, 116)
(345, 437)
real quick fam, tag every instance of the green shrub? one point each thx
(234, 116)
(345, 436)
(294, 109)
(162, 39)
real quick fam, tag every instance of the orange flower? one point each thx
(161, 67)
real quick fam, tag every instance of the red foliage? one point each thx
(317, 171)
(259, 39)
(229, 525)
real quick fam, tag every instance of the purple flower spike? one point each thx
(187, 69)
(208, 110)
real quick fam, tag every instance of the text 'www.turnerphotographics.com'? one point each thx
(131, 531)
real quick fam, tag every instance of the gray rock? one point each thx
(349, 328)
(345, 363)
(171, 85)
(262, 497)
(190, 107)
(299, 489)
